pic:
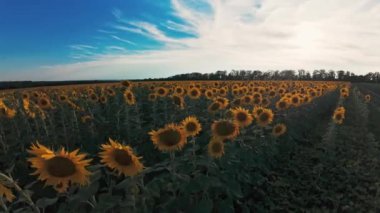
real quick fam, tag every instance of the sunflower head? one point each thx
(215, 148)
(161, 92)
(265, 117)
(242, 117)
(6, 192)
(59, 169)
(214, 107)
(194, 93)
(168, 139)
(120, 158)
(129, 97)
(191, 126)
(152, 97)
(282, 104)
(44, 103)
(225, 129)
(278, 130)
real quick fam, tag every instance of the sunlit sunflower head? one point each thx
(214, 107)
(6, 192)
(168, 139)
(242, 117)
(265, 117)
(179, 101)
(129, 97)
(224, 129)
(59, 169)
(191, 126)
(194, 93)
(278, 130)
(215, 148)
(120, 158)
(44, 103)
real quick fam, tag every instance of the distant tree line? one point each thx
(316, 75)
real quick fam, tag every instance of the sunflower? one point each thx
(339, 116)
(295, 100)
(215, 106)
(152, 97)
(247, 99)
(59, 169)
(194, 93)
(278, 130)
(44, 103)
(161, 91)
(93, 97)
(242, 117)
(62, 98)
(215, 148)
(367, 98)
(179, 90)
(127, 84)
(265, 117)
(225, 129)
(223, 101)
(168, 139)
(120, 158)
(209, 94)
(6, 192)
(282, 104)
(129, 97)
(103, 99)
(179, 101)
(191, 126)
(257, 110)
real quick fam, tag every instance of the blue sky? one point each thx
(118, 39)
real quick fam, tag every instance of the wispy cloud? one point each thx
(246, 34)
(123, 40)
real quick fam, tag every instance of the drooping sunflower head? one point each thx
(129, 97)
(225, 129)
(215, 148)
(178, 101)
(257, 110)
(6, 192)
(278, 130)
(120, 158)
(214, 107)
(265, 117)
(59, 169)
(103, 99)
(44, 103)
(191, 126)
(168, 139)
(242, 117)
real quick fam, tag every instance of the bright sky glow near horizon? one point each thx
(135, 39)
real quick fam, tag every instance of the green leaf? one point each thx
(45, 202)
(205, 206)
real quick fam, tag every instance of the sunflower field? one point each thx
(185, 146)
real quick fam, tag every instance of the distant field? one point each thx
(185, 146)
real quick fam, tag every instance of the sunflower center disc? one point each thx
(264, 117)
(170, 137)
(122, 157)
(241, 116)
(224, 128)
(191, 127)
(60, 167)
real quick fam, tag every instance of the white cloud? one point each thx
(246, 34)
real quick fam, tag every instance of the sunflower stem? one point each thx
(172, 162)
(3, 205)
